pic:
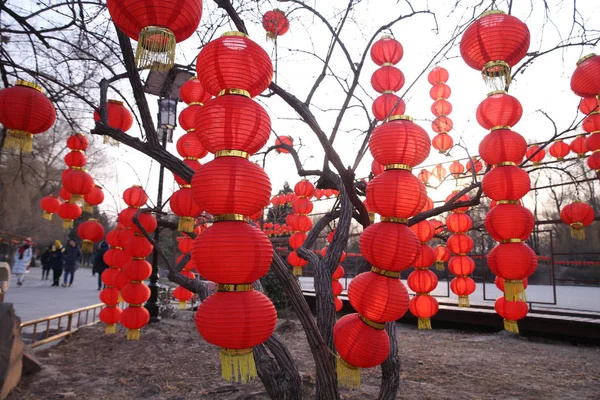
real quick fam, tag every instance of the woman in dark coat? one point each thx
(56, 262)
(72, 259)
(99, 264)
(46, 265)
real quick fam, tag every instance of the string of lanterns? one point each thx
(299, 222)
(441, 109)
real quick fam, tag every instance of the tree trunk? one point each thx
(390, 369)
(278, 372)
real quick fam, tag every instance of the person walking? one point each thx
(72, 259)
(46, 265)
(99, 265)
(21, 261)
(56, 262)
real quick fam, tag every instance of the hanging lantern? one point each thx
(49, 205)
(188, 145)
(77, 142)
(304, 189)
(157, 26)
(78, 183)
(183, 205)
(463, 287)
(387, 79)
(442, 255)
(287, 140)
(442, 142)
(386, 51)
(424, 175)
(192, 91)
(69, 212)
(506, 183)
(441, 107)
(90, 231)
(24, 111)
(509, 221)
(93, 198)
(401, 246)
(578, 146)
(397, 193)
(514, 261)
(387, 105)
(135, 196)
(499, 110)
(119, 117)
(474, 165)
(494, 43)
(502, 146)
(75, 159)
(538, 157)
(438, 75)
(424, 307)
(584, 81)
(464, 197)
(588, 105)
(456, 169)
(275, 23)
(182, 295)
(440, 91)
(511, 312)
(376, 168)
(378, 297)
(146, 220)
(577, 215)
(559, 150)
(439, 172)
(442, 124)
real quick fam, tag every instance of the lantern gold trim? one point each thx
(582, 59)
(21, 82)
(398, 166)
(239, 92)
(395, 220)
(403, 117)
(232, 153)
(235, 33)
(372, 324)
(230, 287)
(384, 272)
(156, 48)
(231, 217)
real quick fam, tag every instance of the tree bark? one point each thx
(278, 371)
(390, 369)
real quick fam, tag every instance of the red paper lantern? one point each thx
(422, 281)
(578, 146)
(342, 257)
(396, 193)
(134, 318)
(463, 287)
(77, 141)
(90, 231)
(231, 185)
(304, 189)
(577, 215)
(157, 26)
(189, 145)
(187, 116)
(584, 81)
(424, 175)
(499, 109)
(24, 111)
(400, 246)
(183, 296)
(424, 307)
(456, 169)
(78, 183)
(299, 223)
(110, 316)
(93, 198)
(232, 123)
(388, 105)
(593, 142)
(442, 255)
(135, 196)
(559, 150)
(439, 172)
(506, 183)
(183, 205)
(464, 197)
(440, 91)
(438, 75)
(75, 159)
(428, 205)
(593, 162)
(591, 123)
(145, 219)
(442, 124)
(253, 68)
(499, 282)
(423, 230)
(538, 157)
(137, 270)
(461, 265)
(512, 261)
(441, 107)
(460, 244)
(185, 244)
(494, 43)
(338, 273)
(386, 50)
(509, 221)
(302, 205)
(387, 79)
(442, 142)
(275, 23)
(359, 344)
(376, 168)
(459, 223)
(588, 105)
(192, 91)
(378, 298)
(338, 304)
(49, 205)
(119, 117)
(284, 140)
(337, 288)
(474, 164)
(232, 252)
(297, 240)
(511, 312)
(501, 146)
(69, 212)
(138, 247)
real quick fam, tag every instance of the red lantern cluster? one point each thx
(275, 23)
(185, 245)
(75, 179)
(386, 80)
(299, 223)
(577, 215)
(460, 244)
(25, 111)
(441, 108)
(233, 253)
(337, 287)
(422, 281)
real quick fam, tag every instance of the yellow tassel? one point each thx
(514, 290)
(424, 323)
(463, 301)
(511, 326)
(67, 223)
(238, 365)
(439, 265)
(88, 208)
(47, 215)
(271, 36)
(536, 163)
(496, 69)
(110, 329)
(186, 224)
(371, 217)
(297, 271)
(75, 198)
(348, 375)
(18, 140)
(106, 139)
(155, 49)
(577, 233)
(182, 305)
(133, 334)
(87, 247)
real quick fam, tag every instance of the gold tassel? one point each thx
(186, 224)
(87, 247)
(577, 233)
(536, 163)
(497, 69)
(133, 334)
(371, 217)
(238, 365)
(110, 329)
(424, 323)
(88, 208)
(271, 36)
(106, 139)
(182, 305)
(511, 326)
(47, 215)
(75, 198)
(439, 265)
(18, 140)
(348, 375)
(297, 271)
(155, 49)
(514, 290)
(463, 301)
(67, 223)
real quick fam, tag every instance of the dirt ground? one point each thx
(172, 362)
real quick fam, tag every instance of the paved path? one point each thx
(37, 299)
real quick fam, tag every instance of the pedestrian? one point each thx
(46, 265)
(99, 265)
(72, 259)
(56, 262)
(21, 261)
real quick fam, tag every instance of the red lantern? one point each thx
(318, 194)
(428, 205)
(376, 168)
(378, 298)
(442, 124)
(538, 157)
(93, 198)
(387, 79)
(110, 316)
(386, 50)
(499, 282)
(338, 304)
(593, 142)
(474, 164)
(90, 231)
(77, 141)
(442, 142)
(138, 247)
(119, 117)
(461, 265)
(463, 287)
(213, 65)
(438, 75)
(183, 205)
(439, 172)
(192, 91)
(506, 183)
(441, 107)
(459, 223)
(588, 105)
(78, 183)
(145, 219)
(232, 123)
(456, 169)
(422, 281)
(424, 307)
(188, 145)
(424, 175)
(302, 205)
(304, 189)
(275, 23)
(157, 26)
(187, 116)
(494, 43)
(426, 257)
(440, 91)
(137, 270)
(297, 240)
(511, 312)
(460, 244)
(513, 261)
(68, 212)
(593, 162)
(401, 246)
(423, 230)
(499, 109)
(577, 215)
(75, 158)
(396, 193)
(502, 146)
(49, 205)
(183, 296)
(134, 318)
(442, 255)
(464, 197)
(592, 122)
(388, 105)
(288, 140)
(559, 150)
(578, 146)
(24, 111)
(584, 81)
(135, 196)
(509, 221)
